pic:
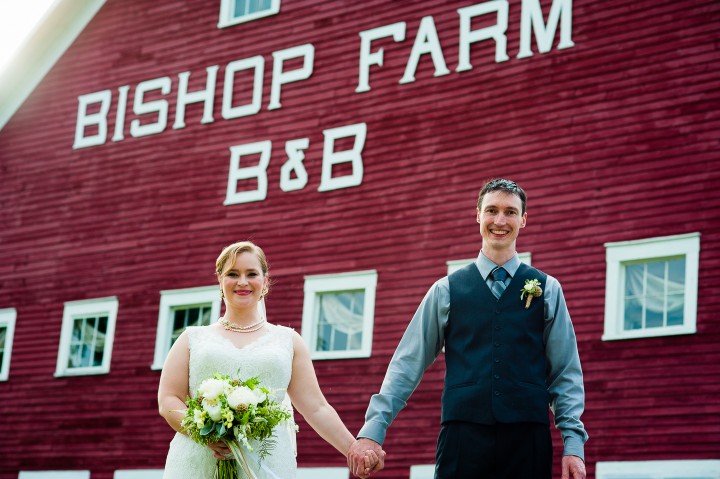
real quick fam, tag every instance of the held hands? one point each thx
(365, 457)
(573, 468)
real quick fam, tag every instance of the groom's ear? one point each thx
(524, 220)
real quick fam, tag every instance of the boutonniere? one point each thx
(532, 290)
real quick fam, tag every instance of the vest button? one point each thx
(496, 376)
(497, 328)
(497, 360)
(497, 345)
(497, 393)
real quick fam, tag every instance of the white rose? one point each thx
(241, 397)
(211, 388)
(213, 409)
(259, 396)
(529, 287)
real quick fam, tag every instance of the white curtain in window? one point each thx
(340, 316)
(87, 355)
(654, 299)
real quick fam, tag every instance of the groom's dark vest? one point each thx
(494, 352)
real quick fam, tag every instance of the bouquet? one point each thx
(235, 412)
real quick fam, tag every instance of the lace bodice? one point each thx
(268, 357)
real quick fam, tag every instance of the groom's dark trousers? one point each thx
(501, 451)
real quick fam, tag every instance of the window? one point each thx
(422, 472)
(651, 287)
(233, 12)
(138, 474)
(7, 331)
(658, 470)
(86, 337)
(179, 309)
(322, 473)
(338, 314)
(455, 265)
(54, 475)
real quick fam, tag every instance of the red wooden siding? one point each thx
(614, 139)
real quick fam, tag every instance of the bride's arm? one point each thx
(173, 388)
(308, 399)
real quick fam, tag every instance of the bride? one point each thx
(243, 343)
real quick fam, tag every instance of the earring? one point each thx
(222, 295)
(264, 291)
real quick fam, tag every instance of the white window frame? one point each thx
(456, 264)
(687, 245)
(7, 319)
(328, 283)
(54, 475)
(98, 306)
(175, 298)
(138, 474)
(322, 473)
(227, 19)
(425, 471)
(687, 469)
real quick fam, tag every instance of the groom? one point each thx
(507, 359)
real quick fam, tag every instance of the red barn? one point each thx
(349, 140)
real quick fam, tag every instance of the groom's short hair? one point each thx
(501, 184)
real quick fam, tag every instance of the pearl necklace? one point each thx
(230, 326)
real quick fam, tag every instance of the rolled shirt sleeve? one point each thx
(419, 347)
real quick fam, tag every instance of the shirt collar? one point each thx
(485, 266)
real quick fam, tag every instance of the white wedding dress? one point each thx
(270, 359)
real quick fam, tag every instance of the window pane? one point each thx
(676, 309)
(634, 274)
(189, 316)
(99, 346)
(205, 316)
(633, 314)
(240, 8)
(74, 357)
(87, 345)
(657, 269)
(85, 355)
(340, 320)
(3, 335)
(676, 275)
(192, 316)
(246, 7)
(654, 294)
(654, 311)
(323, 338)
(102, 323)
(178, 322)
(77, 330)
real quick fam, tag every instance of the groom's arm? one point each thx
(420, 345)
(565, 378)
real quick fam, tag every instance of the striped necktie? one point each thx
(499, 276)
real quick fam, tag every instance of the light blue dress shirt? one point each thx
(424, 338)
